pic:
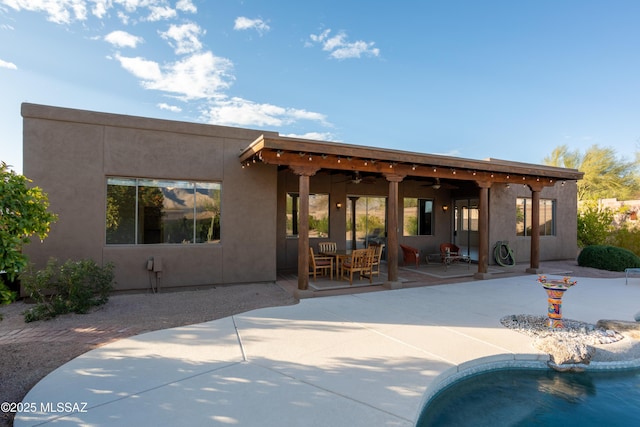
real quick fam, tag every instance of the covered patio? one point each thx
(306, 158)
(408, 276)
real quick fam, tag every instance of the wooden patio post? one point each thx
(303, 219)
(483, 229)
(392, 230)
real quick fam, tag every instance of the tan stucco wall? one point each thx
(502, 221)
(69, 153)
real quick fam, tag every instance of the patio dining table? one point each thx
(340, 255)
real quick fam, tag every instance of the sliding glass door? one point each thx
(465, 226)
(366, 221)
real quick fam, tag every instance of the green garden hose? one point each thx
(504, 254)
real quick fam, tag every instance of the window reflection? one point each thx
(318, 215)
(147, 211)
(418, 217)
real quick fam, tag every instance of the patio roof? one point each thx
(297, 152)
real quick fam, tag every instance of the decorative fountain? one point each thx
(555, 291)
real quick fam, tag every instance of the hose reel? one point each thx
(504, 254)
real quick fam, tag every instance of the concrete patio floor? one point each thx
(361, 359)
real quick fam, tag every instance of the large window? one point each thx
(418, 217)
(144, 211)
(318, 215)
(547, 217)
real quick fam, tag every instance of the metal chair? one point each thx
(448, 250)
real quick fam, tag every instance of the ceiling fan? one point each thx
(436, 185)
(357, 178)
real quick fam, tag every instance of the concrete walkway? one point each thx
(368, 359)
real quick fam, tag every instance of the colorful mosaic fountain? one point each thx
(555, 291)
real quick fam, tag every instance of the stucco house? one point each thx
(194, 204)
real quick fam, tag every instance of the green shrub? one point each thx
(73, 287)
(594, 224)
(7, 296)
(625, 237)
(610, 258)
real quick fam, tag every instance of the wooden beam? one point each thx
(304, 159)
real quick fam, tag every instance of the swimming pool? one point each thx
(537, 397)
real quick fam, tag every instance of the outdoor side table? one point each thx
(632, 271)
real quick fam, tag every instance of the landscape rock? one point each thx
(570, 348)
(631, 329)
(565, 351)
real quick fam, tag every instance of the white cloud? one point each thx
(319, 136)
(60, 11)
(355, 50)
(184, 38)
(68, 11)
(100, 7)
(186, 6)
(160, 13)
(172, 108)
(124, 18)
(141, 68)
(198, 76)
(9, 65)
(339, 48)
(319, 38)
(243, 23)
(123, 39)
(241, 112)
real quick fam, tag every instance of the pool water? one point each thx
(537, 397)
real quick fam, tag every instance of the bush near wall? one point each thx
(625, 237)
(609, 258)
(73, 287)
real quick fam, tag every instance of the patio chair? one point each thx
(360, 262)
(327, 247)
(448, 250)
(377, 257)
(410, 255)
(320, 264)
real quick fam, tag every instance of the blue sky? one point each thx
(475, 79)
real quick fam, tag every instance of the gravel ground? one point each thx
(29, 351)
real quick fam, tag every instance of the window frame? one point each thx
(193, 187)
(548, 226)
(420, 215)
